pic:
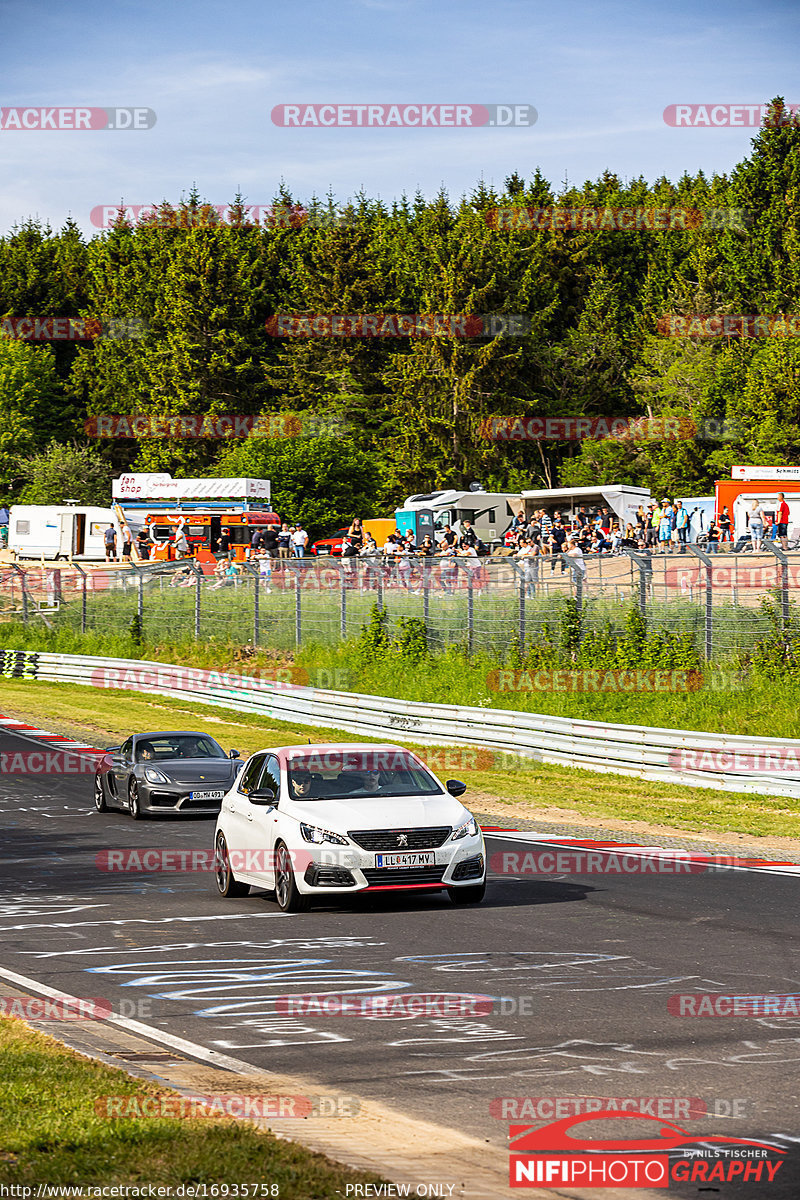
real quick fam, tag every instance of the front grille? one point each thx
(202, 803)
(163, 800)
(375, 875)
(386, 839)
(470, 868)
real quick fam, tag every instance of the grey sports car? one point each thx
(165, 774)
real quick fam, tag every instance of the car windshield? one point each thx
(177, 745)
(340, 775)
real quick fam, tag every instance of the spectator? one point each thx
(143, 544)
(725, 525)
(256, 542)
(713, 537)
(546, 524)
(356, 534)
(448, 538)
(265, 569)
(651, 529)
(448, 571)
(558, 537)
(616, 538)
(185, 577)
(519, 523)
(469, 538)
(582, 517)
(224, 544)
(181, 543)
(127, 542)
(226, 572)
(682, 525)
(349, 556)
(641, 519)
(269, 540)
(528, 557)
(665, 527)
(606, 520)
(600, 545)
(284, 541)
(299, 542)
(631, 539)
(369, 552)
(574, 551)
(403, 560)
(110, 540)
(782, 519)
(756, 521)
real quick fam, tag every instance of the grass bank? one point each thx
(50, 1132)
(104, 717)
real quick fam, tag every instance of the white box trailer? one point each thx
(622, 499)
(491, 513)
(60, 531)
(768, 499)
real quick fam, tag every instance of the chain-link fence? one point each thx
(482, 605)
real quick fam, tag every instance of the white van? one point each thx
(60, 531)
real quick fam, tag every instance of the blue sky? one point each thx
(599, 75)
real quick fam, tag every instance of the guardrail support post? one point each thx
(783, 560)
(521, 632)
(298, 610)
(707, 563)
(197, 592)
(470, 612)
(342, 601)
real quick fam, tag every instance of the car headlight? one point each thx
(468, 829)
(312, 833)
(152, 775)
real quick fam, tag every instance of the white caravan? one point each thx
(622, 499)
(60, 531)
(491, 513)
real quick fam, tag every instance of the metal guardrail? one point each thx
(635, 750)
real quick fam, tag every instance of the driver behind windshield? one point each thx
(189, 748)
(146, 751)
(370, 783)
(301, 785)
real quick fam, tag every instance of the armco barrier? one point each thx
(623, 749)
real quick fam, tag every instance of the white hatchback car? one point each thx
(330, 819)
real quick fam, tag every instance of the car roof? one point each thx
(175, 733)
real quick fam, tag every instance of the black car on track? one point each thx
(167, 773)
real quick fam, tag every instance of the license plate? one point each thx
(216, 795)
(425, 859)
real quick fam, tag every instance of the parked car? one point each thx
(330, 545)
(336, 819)
(170, 773)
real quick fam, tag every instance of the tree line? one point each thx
(191, 305)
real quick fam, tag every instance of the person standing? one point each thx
(284, 541)
(127, 542)
(782, 518)
(682, 525)
(110, 541)
(181, 543)
(756, 521)
(725, 525)
(356, 534)
(299, 542)
(143, 544)
(665, 527)
(224, 543)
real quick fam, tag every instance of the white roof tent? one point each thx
(137, 488)
(624, 500)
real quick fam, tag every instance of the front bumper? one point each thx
(175, 798)
(329, 869)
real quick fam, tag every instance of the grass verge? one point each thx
(50, 1132)
(105, 717)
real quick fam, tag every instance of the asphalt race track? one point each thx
(583, 965)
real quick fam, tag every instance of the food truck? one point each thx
(762, 483)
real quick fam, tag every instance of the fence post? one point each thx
(298, 609)
(82, 574)
(707, 563)
(784, 562)
(522, 585)
(23, 586)
(378, 565)
(140, 606)
(470, 612)
(197, 592)
(645, 568)
(342, 601)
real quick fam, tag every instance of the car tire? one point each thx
(99, 795)
(227, 883)
(467, 895)
(288, 897)
(134, 803)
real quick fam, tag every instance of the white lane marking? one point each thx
(149, 921)
(149, 1031)
(634, 849)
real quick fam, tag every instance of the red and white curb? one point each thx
(730, 862)
(42, 735)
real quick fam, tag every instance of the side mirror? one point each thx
(263, 796)
(234, 754)
(113, 750)
(455, 787)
